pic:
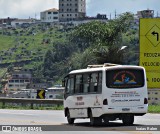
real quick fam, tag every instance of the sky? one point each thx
(31, 8)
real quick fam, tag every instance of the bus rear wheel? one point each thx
(94, 120)
(69, 119)
(128, 120)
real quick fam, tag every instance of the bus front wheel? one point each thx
(69, 119)
(128, 119)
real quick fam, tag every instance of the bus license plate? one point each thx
(125, 109)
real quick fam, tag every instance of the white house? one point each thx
(51, 15)
(20, 22)
(50, 93)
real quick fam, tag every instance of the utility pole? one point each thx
(35, 15)
(115, 14)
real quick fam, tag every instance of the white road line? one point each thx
(16, 113)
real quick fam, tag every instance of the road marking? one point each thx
(16, 113)
(27, 122)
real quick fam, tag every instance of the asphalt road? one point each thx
(51, 120)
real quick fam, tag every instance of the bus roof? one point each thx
(92, 68)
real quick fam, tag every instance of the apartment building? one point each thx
(51, 15)
(154, 96)
(145, 14)
(19, 80)
(70, 10)
(21, 22)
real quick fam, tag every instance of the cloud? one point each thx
(120, 6)
(28, 8)
(25, 8)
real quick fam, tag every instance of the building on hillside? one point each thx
(22, 23)
(51, 15)
(39, 85)
(154, 96)
(72, 24)
(7, 21)
(102, 16)
(145, 14)
(70, 10)
(50, 93)
(19, 80)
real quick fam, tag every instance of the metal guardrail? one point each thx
(31, 101)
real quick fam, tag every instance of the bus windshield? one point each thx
(124, 78)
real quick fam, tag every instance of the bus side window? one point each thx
(94, 82)
(100, 82)
(69, 89)
(79, 84)
(86, 81)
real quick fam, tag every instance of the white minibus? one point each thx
(106, 93)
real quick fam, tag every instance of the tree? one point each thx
(48, 62)
(91, 43)
(104, 38)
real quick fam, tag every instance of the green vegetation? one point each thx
(154, 109)
(151, 108)
(35, 107)
(93, 43)
(51, 52)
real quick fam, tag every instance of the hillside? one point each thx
(51, 53)
(27, 45)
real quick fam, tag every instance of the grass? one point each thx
(154, 109)
(31, 43)
(28, 107)
(6, 42)
(151, 108)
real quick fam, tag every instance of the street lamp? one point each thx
(122, 48)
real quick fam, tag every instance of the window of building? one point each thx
(50, 96)
(26, 80)
(49, 12)
(21, 81)
(17, 81)
(55, 18)
(10, 85)
(55, 12)
(11, 81)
